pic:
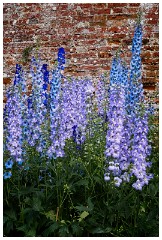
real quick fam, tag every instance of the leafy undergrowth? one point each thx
(69, 197)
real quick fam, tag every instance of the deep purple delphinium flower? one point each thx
(61, 58)
(45, 84)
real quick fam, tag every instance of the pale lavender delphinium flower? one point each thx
(14, 136)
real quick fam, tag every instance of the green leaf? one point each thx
(101, 230)
(90, 204)
(51, 215)
(97, 179)
(11, 214)
(31, 233)
(22, 228)
(51, 229)
(64, 231)
(9, 227)
(5, 219)
(108, 229)
(83, 182)
(82, 208)
(37, 204)
(98, 230)
(76, 229)
(83, 215)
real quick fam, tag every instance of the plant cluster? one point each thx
(76, 151)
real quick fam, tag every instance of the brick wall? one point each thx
(90, 33)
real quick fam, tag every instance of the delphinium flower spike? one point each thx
(37, 109)
(54, 96)
(102, 97)
(135, 84)
(14, 120)
(118, 136)
(140, 149)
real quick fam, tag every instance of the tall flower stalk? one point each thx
(14, 119)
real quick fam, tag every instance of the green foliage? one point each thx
(72, 198)
(28, 50)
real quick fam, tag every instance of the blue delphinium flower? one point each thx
(114, 72)
(7, 175)
(45, 84)
(61, 58)
(118, 135)
(135, 84)
(115, 132)
(140, 148)
(18, 78)
(140, 151)
(43, 106)
(73, 112)
(55, 91)
(9, 164)
(36, 108)
(102, 97)
(15, 127)
(68, 111)
(14, 122)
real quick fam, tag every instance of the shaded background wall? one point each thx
(90, 33)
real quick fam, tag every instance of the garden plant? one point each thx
(81, 155)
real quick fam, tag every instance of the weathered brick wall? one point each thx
(90, 33)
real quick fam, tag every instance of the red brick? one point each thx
(155, 54)
(101, 11)
(85, 5)
(5, 22)
(153, 21)
(100, 5)
(61, 30)
(7, 81)
(152, 15)
(133, 10)
(152, 88)
(122, 16)
(134, 4)
(7, 40)
(5, 10)
(113, 5)
(117, 10)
